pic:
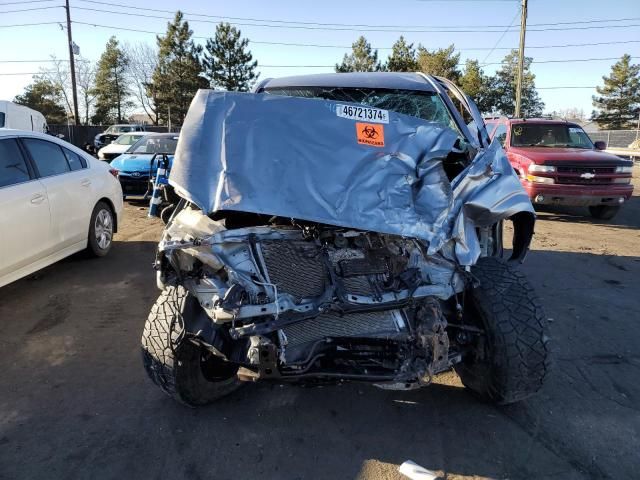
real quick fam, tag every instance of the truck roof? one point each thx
(550, 121)
(386, 80)
(539, 120)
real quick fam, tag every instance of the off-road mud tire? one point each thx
(515, 358)
(172, 361)
(604, 212)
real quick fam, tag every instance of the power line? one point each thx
(356, 25)
(501, 36)
(29, 24)
(323, 66)
(31, 9)
(574, 60)
(23, 2)
(315, 45)
(575, 45)
(346, 27)
(249, 19)
(296, 26)
(566, 60)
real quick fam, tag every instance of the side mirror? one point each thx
(600, 145)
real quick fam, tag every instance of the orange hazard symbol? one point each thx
(370, 134)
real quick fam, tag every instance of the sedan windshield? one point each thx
(119, 129)
(549, 135)
(155, 144)
(127, 139)
(425, 105)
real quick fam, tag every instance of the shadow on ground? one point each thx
(76, 402)
(626, 217)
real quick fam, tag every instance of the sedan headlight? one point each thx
(541, 168)
(534, 179)
(625, 169)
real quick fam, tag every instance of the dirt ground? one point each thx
(76, 403)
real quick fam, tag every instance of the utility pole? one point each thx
(523, 30)
(73, 66)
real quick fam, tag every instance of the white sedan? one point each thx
(119, 145)
(55, 200)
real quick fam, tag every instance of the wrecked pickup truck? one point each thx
(343, 227)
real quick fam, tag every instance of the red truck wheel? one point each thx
(604, 212)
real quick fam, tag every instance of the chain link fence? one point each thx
(615, 138)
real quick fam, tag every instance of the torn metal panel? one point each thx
(298, 158)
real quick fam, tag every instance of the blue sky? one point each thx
(39, 42)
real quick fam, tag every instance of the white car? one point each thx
(55, 200)
(119, 145)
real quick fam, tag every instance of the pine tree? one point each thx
(177, 76)
(363, 58)
(475, 84)
(501, 94)
(111, 88)
(402, 58)
(442, 62)
(44, 96)
(618, 102)
(228, 64)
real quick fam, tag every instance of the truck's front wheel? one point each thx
(604, 212)
(511, 359)
(181, 368)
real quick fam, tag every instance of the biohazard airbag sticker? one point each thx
(370, 134)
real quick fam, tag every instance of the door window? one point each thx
(501, 134)
(76, 162)
(490, 126)
(13, 168)
(47, 156)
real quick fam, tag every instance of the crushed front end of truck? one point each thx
(314, 247)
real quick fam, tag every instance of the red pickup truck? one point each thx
(558, 164)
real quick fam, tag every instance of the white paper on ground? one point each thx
(416, 472)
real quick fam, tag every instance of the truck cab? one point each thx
(558, 164)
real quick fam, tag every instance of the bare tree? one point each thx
(576, 114)
(58, 74)
(85, 81)
(143, 60)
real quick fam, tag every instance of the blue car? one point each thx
(134, 166)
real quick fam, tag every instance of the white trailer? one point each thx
(20, 117)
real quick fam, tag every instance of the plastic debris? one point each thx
(416, 472)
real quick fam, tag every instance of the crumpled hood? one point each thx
(300, 158)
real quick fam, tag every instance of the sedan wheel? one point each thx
(100, 230)
(103, 228)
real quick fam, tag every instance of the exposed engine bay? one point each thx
(293, 300)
